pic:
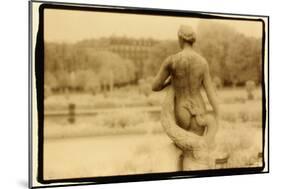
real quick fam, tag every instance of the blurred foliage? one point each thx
(232, 56)
(217, 82)
(124, 119)
(99, 65)
(250, 86)
(78, 69)
(158, 54)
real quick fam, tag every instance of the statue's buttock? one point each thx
(187, 74)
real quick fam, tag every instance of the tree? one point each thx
(50, 80)
(244, 58)
(213, 40)
(110, 67)
(232, 56)
(157, 55)
(250, 86)
(63, 81)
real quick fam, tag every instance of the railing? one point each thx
(94, 111)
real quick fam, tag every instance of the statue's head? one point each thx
(186, 35)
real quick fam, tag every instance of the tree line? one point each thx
(90, 64)
(233, 57)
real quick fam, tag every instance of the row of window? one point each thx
(141, 42)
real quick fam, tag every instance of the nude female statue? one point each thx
(187, 72)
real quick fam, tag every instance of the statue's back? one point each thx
(187, 72)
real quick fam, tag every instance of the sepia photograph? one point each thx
(136, 92)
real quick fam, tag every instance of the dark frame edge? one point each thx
(30, 136)
(40, 177)
(268, 93)
(121, 7)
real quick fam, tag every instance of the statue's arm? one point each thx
(210, 91)
(162, 78)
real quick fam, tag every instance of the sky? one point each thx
(72, 25)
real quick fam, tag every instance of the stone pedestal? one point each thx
(188, 161)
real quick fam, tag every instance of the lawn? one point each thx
(130, 140)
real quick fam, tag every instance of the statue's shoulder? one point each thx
(192, 56)
(177, 56)
(168, 61)
(199, 58)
